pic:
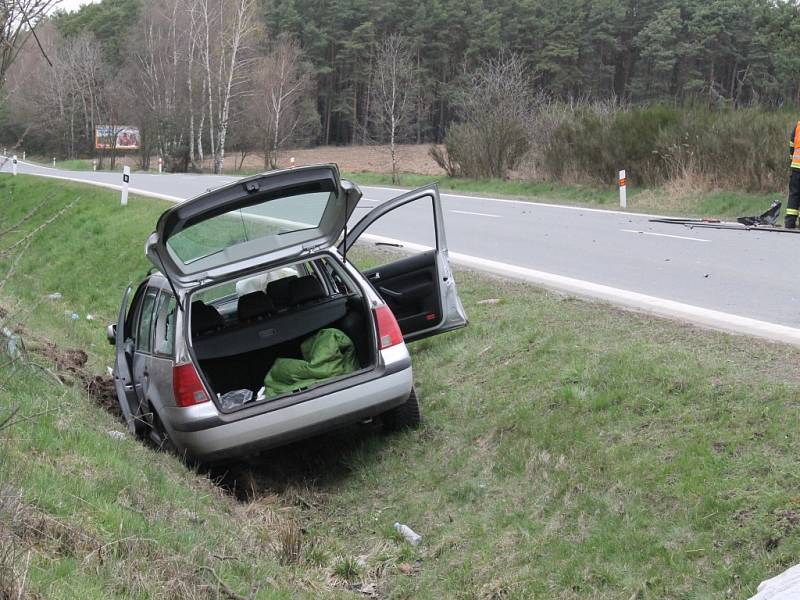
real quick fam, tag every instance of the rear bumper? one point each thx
(298, 421)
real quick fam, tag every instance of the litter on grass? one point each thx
(411, 536)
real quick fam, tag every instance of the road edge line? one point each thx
(650, 304)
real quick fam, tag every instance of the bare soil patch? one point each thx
(69, 366)
(412, 158)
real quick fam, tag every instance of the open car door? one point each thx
(123, 381)
(416, 283)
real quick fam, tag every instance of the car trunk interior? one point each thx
(239, 329)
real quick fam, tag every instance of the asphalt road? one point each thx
(719, 278)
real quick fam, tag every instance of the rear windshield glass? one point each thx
(267, 222)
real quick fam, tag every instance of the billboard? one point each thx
(127, 138)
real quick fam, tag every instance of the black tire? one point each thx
(160, 437)
(406, 416)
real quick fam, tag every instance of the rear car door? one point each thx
(142, 353)
(413, 278)
(127, 396)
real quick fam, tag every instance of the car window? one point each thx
(137, 300)
(164, 327)
(377, 246)
(143, 336)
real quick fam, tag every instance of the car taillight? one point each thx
(389, 333)
(187, 386)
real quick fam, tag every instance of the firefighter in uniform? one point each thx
(793, 204)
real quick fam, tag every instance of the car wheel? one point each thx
(406, 416)
(160, 436)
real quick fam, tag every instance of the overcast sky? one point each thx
(70, 5)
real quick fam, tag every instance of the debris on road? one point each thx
(768, 217)
(766, 221)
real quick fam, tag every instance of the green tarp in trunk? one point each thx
(327, 353)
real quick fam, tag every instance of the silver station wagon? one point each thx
(255, 327)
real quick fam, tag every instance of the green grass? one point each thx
(570, 450)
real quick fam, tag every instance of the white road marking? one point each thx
(706, 317)
(529, 203)
(651, 304)
(478, 214)
(678, 237)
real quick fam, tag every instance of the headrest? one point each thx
(305, 289)
(278, 291)
(254, 305)
(204, 317)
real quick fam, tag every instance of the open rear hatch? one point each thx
(269, 217)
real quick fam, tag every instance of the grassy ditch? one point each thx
(570, 450)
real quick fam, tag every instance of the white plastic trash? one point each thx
(234, 398)
(411, 536)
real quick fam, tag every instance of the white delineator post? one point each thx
(291, 162)
(54, 162)
(23, 155)
(160, 164)
(126, 177)
(623, 190)
(14, 164)
(94, 164)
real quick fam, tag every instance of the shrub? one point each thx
(737, 149)
(494, 105)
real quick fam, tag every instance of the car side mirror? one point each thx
(111, 334)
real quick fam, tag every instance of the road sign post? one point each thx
(54, 162)
(623, 190)
(291, 162)
(14, 164)
(126, 178)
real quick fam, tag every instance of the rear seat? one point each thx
(304, 290)
(255, 305)
(278, 291)
(205, 318)
(292, 308)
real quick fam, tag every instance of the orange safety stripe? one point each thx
(796, 152)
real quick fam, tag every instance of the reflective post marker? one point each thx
(23, 155)
(291, 162)
(623, 190)
(160, 164)
(126, 178)
(94, 164)
(14, 164)
(54, 162)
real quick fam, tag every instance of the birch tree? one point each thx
(18, 21)
(394, 88)
(226, 30)
(282, 81)
(158, 64)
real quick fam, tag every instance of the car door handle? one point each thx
(391, 293)
(374, 276)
